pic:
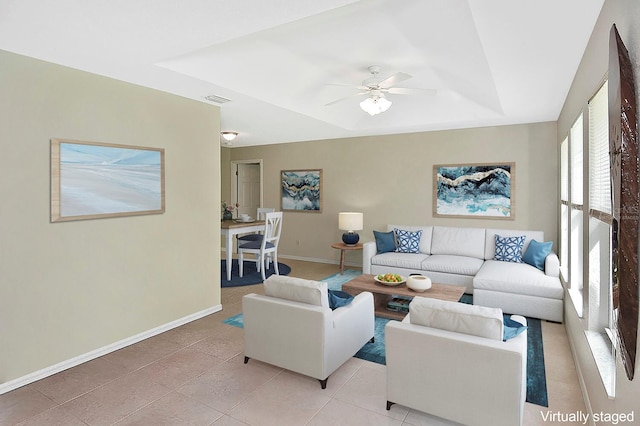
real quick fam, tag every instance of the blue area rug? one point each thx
(250, 275)
(375, 352)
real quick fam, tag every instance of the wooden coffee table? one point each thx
(384, 293)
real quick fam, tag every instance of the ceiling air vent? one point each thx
(217, 99)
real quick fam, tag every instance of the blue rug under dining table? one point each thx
(375, 352)
(250, 273)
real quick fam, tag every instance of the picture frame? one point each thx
(92, 180)
(474, 190)
(301, 190)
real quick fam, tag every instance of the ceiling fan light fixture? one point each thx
(229, 136)
(375, 104)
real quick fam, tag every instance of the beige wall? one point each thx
(593, 68)
(70, 288)
(225, 182)
(390, 179)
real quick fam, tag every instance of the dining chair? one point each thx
(258, 235)
(266, 248)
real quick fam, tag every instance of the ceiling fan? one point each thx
(375, 88)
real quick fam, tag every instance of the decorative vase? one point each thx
(227, 215)
(418, 283)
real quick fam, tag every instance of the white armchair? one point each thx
(293, 327)
(448, 359)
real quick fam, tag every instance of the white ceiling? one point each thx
(492, 62)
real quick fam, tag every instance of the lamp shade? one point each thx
(350, 221)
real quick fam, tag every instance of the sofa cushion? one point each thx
(458, 241)
(459, 265)
(517, 278)
(385, 241)
(297, 290)
(400, 260)
(407, 241)
(537, 253)
(425, 239)
(509, 249)
(490, 239)
(457, 317)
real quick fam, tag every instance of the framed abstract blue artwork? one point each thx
(479, 190)
(301, 190)
(91, 180)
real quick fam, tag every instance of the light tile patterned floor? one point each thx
(195, 375)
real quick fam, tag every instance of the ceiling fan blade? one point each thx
(410, 91)
(394, 79)
(345, 98)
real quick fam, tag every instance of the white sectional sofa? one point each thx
(465, 256)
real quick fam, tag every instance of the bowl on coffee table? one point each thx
(390, 279)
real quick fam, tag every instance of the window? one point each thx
(599, 212)
(591, 296)
(564, 209)
(598, 303)
(572, 214)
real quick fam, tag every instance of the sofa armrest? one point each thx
(353, 327)
(357, 315)
(369, 250)
(552, 265)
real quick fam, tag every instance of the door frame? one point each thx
(234, 179)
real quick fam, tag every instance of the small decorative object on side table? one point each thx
(343, 247)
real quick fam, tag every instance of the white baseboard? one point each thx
(61, 366)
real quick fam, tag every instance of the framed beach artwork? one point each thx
(301, 190)
(91, 180)
(479, 190)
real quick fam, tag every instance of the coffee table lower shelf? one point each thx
(382, 294)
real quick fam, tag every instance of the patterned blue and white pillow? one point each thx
(407, 241)
(509, 249)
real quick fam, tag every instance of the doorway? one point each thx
(246, 185)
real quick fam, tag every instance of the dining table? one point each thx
(229, 228)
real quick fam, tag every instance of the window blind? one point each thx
(599, 172)
(576, 152)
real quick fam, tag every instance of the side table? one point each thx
(343, 248)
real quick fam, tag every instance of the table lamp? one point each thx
(350, 222)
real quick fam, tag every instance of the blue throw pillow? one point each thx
(385, 241)
(511, 328)
(407, 241)
(509, 249)
(338, 298)
(536, 253)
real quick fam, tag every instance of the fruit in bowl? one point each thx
(390, 279)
